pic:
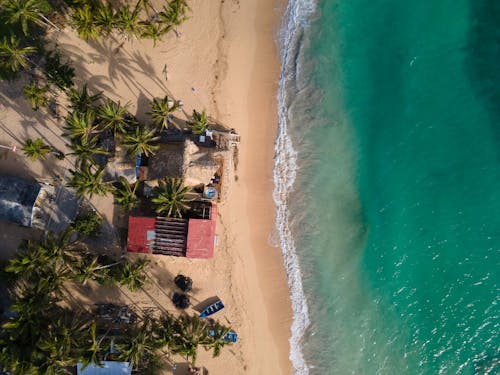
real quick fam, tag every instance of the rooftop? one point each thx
(17, 199)
(108, 368)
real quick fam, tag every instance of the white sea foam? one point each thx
(296, 18)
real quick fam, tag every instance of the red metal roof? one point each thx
(201, 236)
(141, 234)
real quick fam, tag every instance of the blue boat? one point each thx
(212, 309)
(231, 336)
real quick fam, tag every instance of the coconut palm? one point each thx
(114, 116)
(132, 275)
(125, 194)
(193, 332)
(92, 353)
(160, 111)
(171, 197)
(127, 22)
(199, 122)
(141, 141)
(104, 18)
(26, 12)
(36, 149)
(217, 338)
(36, 95)
(86, 150)
(13, 56)
(139, 345)
(174, 13)
(89, 268)
(87, 182)
(80, 126)
(151, 30)
(83, 20)
(81, 100)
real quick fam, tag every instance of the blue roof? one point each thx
(17, 198)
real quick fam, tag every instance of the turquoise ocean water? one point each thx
(388, 185)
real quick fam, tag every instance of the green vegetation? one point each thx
(36, 149)
(160, 111)
(88, 181)
(171, 197)
(141, 141)
(36, 94)
(198, 122)
(13, 56)
(125, 194)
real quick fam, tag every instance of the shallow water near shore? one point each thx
(392, 110)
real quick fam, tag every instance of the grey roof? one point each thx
(17, 198)
(108, 368)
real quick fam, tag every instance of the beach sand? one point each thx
(225, 61)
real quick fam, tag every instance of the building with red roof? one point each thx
(193, 237)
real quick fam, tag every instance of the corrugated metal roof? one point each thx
(17, 198)
(201, 236)
(109, 368)
(141, 234)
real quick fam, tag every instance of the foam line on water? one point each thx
(285, 169)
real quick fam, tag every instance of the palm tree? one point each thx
(217, 340)
(114, 116)
(80, 126)
(174, 13)
(104, 18)
(139, 346)
(36, 149)
(127, 22)
(25, 12)
(13, 56)
(85, 181)
(83, 21)
(36, 95)
(92, 354)
(151, 30)
(192, 332)
(141, 141)
(160, 111)
(125, 194)
(171, 197)
(199, 122)
(85, 150)
(89, 268)
(81, 100)
(132, 275)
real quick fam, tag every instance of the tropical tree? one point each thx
(114, 116)
(26, 12)
(36, 149)
(81, 100)
(170, 197)
(125, 194)
(151, 30)
(86, 150)
(92, 353)
(59, 73)
(89, 268)
(139, 345)
(104, 18)
(141, 141)
(161, 109)
(199, 122)
(174, 13)
(217, 338)
(87, 182)
(87, 224)
(13, 56)
(193, 332)
(36, 95)
(132, 275)
(127, 22)
(80, 126)
(83, 20)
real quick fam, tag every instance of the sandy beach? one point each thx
(224, 60)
